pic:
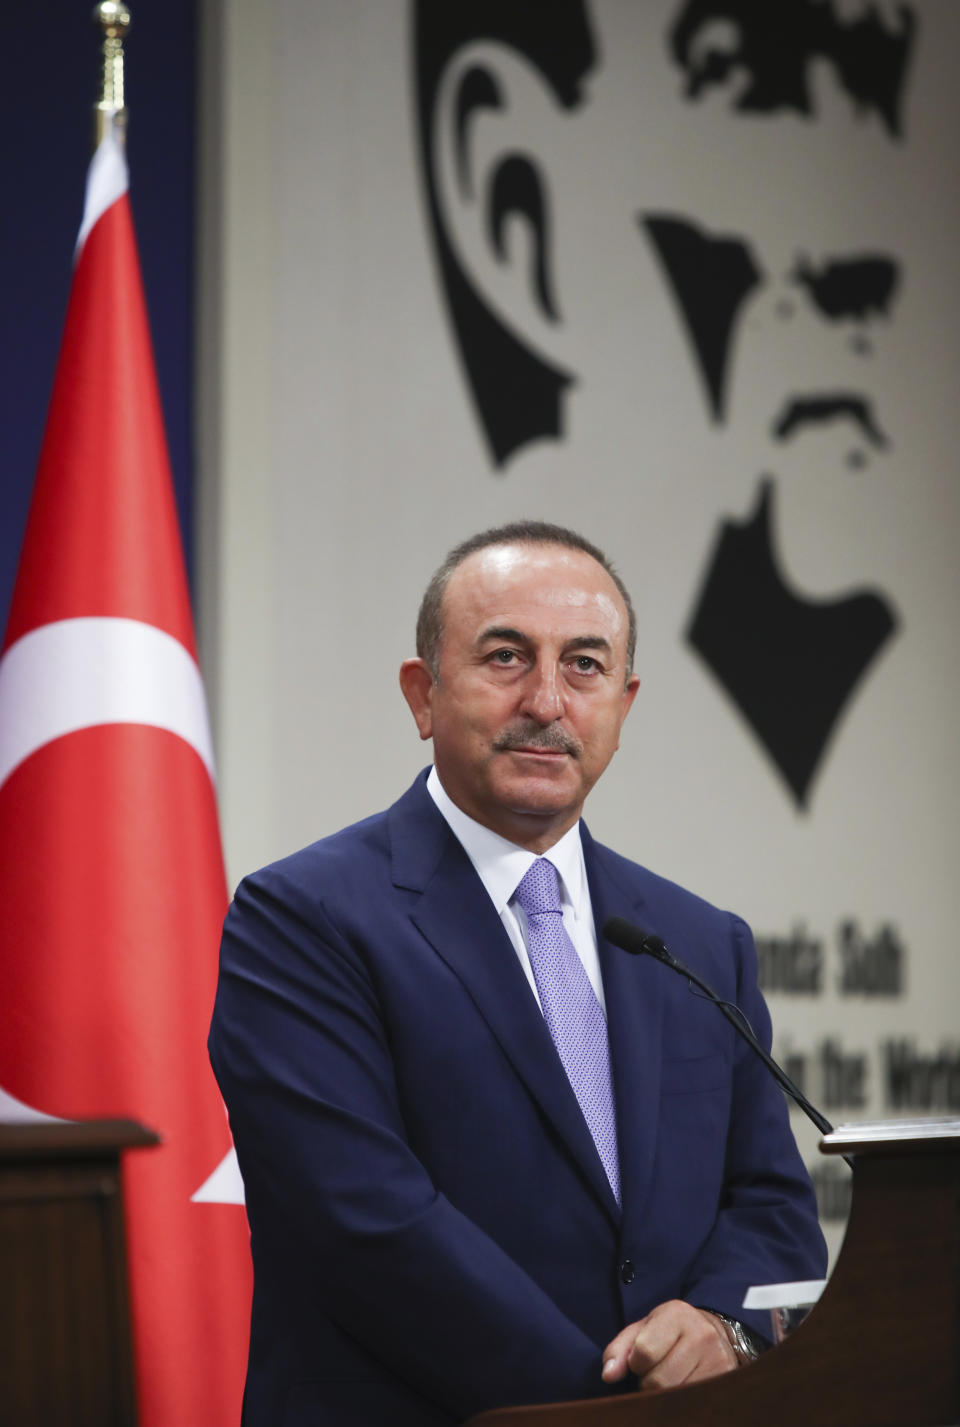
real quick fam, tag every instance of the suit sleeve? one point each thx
(766, 1229)
(302, 1056)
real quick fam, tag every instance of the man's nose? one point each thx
(543, 694)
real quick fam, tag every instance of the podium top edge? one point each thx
(72, 1137)
(930, 1132)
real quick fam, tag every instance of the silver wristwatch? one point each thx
(746, 1345)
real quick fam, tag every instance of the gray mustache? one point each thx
(532, 735)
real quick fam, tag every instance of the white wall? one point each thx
(341, 457)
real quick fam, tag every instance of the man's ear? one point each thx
(416, 685)
(631, 689)
(493, 110)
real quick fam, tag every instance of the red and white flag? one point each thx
(112, 886)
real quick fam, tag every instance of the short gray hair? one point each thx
(518, 532)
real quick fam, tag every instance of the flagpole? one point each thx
(109, 112)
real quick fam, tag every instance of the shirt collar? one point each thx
(501, 864)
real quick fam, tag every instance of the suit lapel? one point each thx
(634, 989)
(460, 922)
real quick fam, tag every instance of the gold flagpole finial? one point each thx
(109, 112)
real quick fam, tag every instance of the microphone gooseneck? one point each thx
(638, 942)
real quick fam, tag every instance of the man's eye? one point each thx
(505, 656)
(585, 664)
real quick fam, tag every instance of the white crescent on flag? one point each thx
(77, 673)
(14, 1112)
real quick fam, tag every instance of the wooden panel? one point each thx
(65, 1350)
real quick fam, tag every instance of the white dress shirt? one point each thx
(501, 865)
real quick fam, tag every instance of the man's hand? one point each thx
(672, 1345)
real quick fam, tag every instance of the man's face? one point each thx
(532, 689)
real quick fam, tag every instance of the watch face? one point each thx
(745, 1345)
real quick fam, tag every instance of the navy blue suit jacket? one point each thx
(432, 1230)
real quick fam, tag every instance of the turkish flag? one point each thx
(112, 885)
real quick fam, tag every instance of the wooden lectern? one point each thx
(880, 1349)
(65, 1347)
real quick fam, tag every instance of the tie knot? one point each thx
(538, 890)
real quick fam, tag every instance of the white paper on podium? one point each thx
(785, 1295)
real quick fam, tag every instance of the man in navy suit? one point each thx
(466, 1187)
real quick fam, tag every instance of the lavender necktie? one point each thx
(571, 1010)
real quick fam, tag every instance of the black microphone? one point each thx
(638, 942)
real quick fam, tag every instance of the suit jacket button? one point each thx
(627, 1271)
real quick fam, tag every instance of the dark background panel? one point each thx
(50, 83)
